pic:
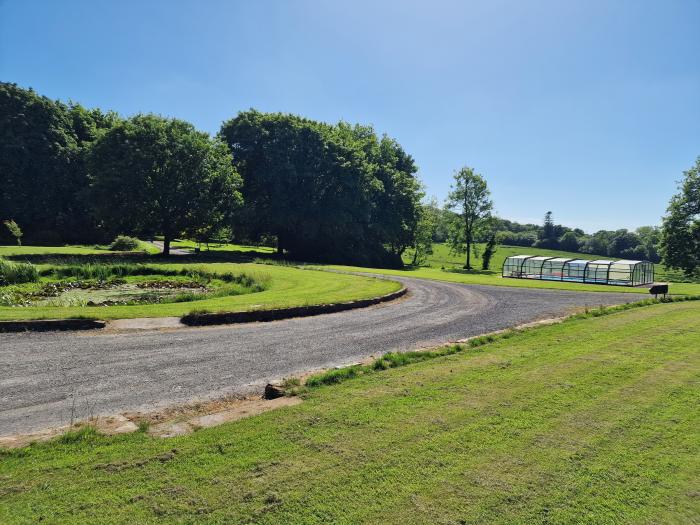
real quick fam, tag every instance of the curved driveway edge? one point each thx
(277, 314)
(45, 378)
(46, 325)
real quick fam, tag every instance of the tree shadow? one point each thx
(470, 272)
(143, 258)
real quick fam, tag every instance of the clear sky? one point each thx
(590, 109)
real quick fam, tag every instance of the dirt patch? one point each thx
(186, 419)
(174, 421)
(110, 425)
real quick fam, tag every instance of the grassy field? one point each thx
(442, 257)
(589, 421)
(12, 251)
(444, 266)
(220, 247)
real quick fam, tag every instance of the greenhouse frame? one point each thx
(618, 273)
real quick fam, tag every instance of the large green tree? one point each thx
(680, 234)
(425, 232)
(332, 192)
(150, 174)
(471, 199)
(42, 171)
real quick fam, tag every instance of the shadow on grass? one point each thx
(140, 257)
(469, 272)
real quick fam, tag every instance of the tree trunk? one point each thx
(166, 245)
(415, 256)
(468, 265)
(280, 250)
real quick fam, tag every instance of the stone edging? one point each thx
(285, 313)
(45, 325)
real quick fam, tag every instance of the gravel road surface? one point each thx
(46, 377)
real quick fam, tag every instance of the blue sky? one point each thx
(590, 109)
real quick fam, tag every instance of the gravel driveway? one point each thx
(44, 377)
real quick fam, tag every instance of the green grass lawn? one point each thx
(288, 286)
(14, 251)
(222, 247)
(442, 257)
(444, 266)
(590, 421)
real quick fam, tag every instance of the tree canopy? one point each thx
(331, 192)
(151, 174)
(471, 198)
(42, 172)
(680, 237)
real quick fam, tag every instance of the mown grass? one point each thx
(396, 359)
(221, 247)
(16, 251)
(285, 287)
(590, 421)
(445, 267)
(442, 256)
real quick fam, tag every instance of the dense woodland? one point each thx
(316, 191)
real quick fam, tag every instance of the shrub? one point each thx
(17, 273)
(124, 243)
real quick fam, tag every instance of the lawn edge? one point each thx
(399, 359)
(276, 314)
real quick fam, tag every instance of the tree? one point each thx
(43, 178)
(650, 237)
(548, 234)
(14, 230)
(569, 242)
(325, 192)
(489, 250)
(470, 196)
(150, 174)
(680, 233)
(425, 231)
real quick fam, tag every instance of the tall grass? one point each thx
(235, 283)
(17, 273)
(104, 272)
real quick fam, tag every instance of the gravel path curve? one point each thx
(46, 377)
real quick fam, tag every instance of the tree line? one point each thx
(466, 222)
(315, 190)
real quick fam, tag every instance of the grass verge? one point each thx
(285, 287)
(493, 278)
(590, 421)
(396, 359)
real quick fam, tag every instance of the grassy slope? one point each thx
(591, 421)
(68, 250)
(442, 257)
(452, 264)
(288, 287)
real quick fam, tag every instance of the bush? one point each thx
(517, 238)
(17, 273)
(124, 243)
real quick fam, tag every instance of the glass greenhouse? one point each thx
(621, 273)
